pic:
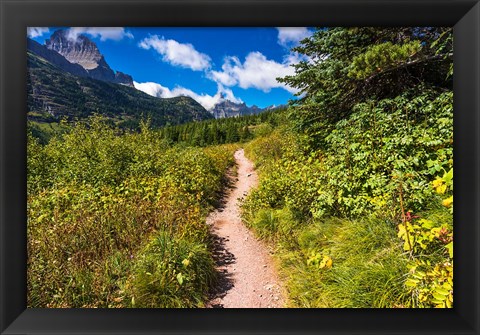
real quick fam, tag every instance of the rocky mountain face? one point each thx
(124, 78)
(80, 50)
(226, 108)
(55, 94)
(55, 58)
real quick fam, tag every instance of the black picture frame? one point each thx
(15, 16)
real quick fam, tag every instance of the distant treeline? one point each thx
(198, 133)
(219, 131)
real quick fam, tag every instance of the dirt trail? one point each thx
(247, 273)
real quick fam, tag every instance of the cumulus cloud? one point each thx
(290, 36)
(33, 32)
(178, 54)
(256, 71)
(206, 100)
(104, 33)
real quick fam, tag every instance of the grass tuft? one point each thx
(367, 269)
(172, 272)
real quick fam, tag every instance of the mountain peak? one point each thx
(76, 49)
(227, 108)
(226, 102)
(79, 49)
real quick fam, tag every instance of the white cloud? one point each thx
(206, 100)
(104, 33)
(290, 36)
(256, 71)
(175, 53)
(33, 32)
(223, 77)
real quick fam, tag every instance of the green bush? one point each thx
(172, 272)
(342, 243)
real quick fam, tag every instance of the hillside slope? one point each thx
(54, 94)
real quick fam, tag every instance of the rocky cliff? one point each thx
(226, 108)
(55, 58)
(82, 51)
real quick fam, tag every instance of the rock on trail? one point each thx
(248, 278)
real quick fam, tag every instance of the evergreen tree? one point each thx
(346, 66)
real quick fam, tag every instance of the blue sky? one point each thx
(204, 63)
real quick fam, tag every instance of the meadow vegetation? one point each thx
(118, 219)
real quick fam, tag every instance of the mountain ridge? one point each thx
(226, 108)
(54, 94)
(83, 57)
(55, 58)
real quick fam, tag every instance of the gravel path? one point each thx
(247, 274)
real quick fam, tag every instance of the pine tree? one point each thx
(346, 66)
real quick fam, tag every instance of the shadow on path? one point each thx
(222, 258)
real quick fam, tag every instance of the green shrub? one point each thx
(273, 225)
(349, 202)
(172, 272)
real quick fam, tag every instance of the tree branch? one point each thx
(408, 64)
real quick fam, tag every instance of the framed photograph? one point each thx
(239, 167)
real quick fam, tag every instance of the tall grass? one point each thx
(368, 265)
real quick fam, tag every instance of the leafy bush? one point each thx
(377, 174)
(429, 241)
